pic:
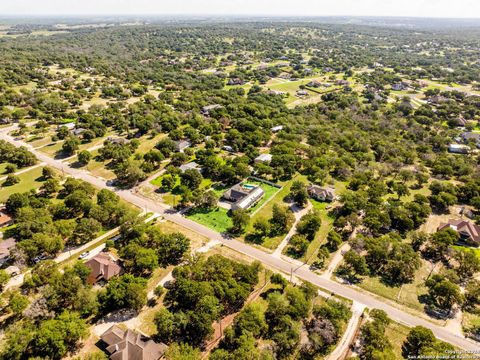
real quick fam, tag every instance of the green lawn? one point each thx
(269, 192)
(217, 219)
(29, 180)
(468, 248)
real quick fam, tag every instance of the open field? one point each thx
(217, 219)
(407, 294)
(28, 180)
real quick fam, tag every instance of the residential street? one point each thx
(269, 260)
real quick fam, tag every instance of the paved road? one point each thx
(348, 336)
(302, 272)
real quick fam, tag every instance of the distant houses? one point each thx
(277, 128)
(191, 166)
(243, 196)
(207, 109)
(103, 267)
(131, 345)
(468, 231)
(182, 145)
(321, 194)
(263, 158)
(235, 81)
(459, 148)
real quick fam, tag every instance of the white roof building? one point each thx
(263, 158)
(277, 128)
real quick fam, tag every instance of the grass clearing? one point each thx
(196, 239)
(407, 294)
(28, 180)
(397, 334)
(217, 219)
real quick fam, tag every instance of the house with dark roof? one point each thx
(468, 231)
(321, 194)
(103, 267)
(131, 345)
(243, 196)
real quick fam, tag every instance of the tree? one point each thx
(17, 303)
(168, 182)
(354, 264)
(298, 245)
(191, 178)
(334, 240)
(282, 219)
(309, 224)
(468, 263)
(4, 277)
(172, 248)
(84, 157)
(443, 293)
(441, 241)
(57, 336)
(11, 180)
(86, 230)
(48, 172)
(124, 292)
(182, 352)
(10, 168)
(165, 324)
(50, 187)
(70, 145)
(418, 338)
(129, 173)
(299, 193)
(240, 220)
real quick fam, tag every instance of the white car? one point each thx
(84, 255)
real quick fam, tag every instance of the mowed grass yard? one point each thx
(217, 219)
(28, 180)
(397, 334)
(321, 236)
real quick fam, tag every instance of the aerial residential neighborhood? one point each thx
(244, 186)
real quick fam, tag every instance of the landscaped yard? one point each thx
(217, 219)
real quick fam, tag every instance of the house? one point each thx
(191, 166)
(5, 219)
(438, 99)
(314, 83)
(243, 196)
(277, 128)
(468, 231)
(471, 136)
(78, 131)
(400, 86)
(206, 109)
(131, 345)
(342, 83)
(228, 148)
(459, 148)
(235, 81)
(263, 158)
(321, 194)
(181, 145)
(302, 93)
(103, 267)
(5, 247)
(117, 140)
(70, 126)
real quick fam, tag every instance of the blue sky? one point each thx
(420, 8)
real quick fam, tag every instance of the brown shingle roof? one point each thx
(465, 228)
(130, 345)
(103, 266)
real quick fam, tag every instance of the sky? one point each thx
(414, 8)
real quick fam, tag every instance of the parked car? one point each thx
(84, 255)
